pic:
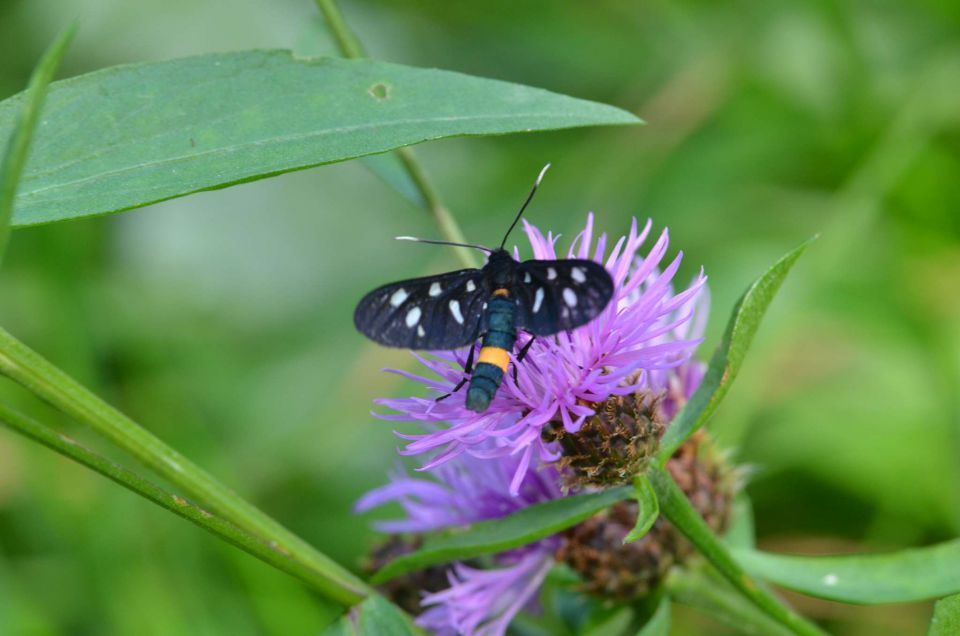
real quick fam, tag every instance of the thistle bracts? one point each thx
(622, 571)
(614, 444)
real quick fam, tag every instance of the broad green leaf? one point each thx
(24, 121)
(128, 136)
(898, 577)
(488, 537)
(375, 615)
(946, 617)
(648, 509)
(659, 623)
(727, 359)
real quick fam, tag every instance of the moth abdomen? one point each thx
(498, 341)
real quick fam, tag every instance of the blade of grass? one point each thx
(36, 374)
(18, 146)
(268, 552)
(678, 510)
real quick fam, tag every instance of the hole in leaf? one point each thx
(380, 91)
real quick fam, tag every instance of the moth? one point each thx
(456, 309)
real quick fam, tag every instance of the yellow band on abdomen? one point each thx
(496, 356)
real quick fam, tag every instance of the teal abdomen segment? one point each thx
(484, 383)
(501, 334)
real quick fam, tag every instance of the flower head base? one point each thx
(631, 344)
(614, 444)
(623, 571)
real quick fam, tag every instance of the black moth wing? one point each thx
(433, 312)
(555, 296)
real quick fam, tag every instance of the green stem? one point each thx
(39, 376)
(678, 510)
(270, 553)
(350, 47)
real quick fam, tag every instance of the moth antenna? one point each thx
(432, 242)
(523, 207)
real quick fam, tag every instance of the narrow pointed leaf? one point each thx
(128, 136)
(648, 509)
(375, 615)
(946, 617)
(728, 358)
(23, 122)
(519, 529)
(898, 577)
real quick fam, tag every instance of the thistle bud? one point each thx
(612, 445)
(615, 570)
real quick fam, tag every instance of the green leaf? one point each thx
(703, 590)
(741, 533)
(128, 136)
(648, 509)
(24, 121)
(946, 617)
(898, 577)
(659, 623)
(678, 510)
(728, 358)
(375, 615)
(488, 537)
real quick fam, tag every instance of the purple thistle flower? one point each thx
(479, 602)
(629, 346)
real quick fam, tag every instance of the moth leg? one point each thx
(467, 370)
(522, 355)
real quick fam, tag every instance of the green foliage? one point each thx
(22, 125)
(375, 615)
(897, 577)
(659, 623)
(647, 508)
(226, 329)
(487, 537)
(156, 131)
(946, 617)
(730, 353)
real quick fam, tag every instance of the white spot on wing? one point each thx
(471, 286)
(455, 310)
(420, 332)
(397, 298)
(551, 273)
(413, 317)
(538, 300)
(435, 289)
(578, 275)
(526, 277)
(569, 297)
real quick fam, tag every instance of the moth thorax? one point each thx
(407, 590)
(612, 445)
(614, 570)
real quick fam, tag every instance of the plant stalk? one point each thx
(677, 509)
(39, 376)
(269, 552)
(350, 47)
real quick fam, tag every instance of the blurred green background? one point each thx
(222, 321)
